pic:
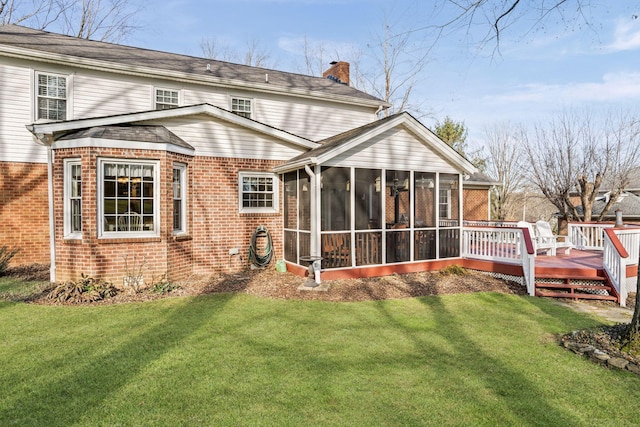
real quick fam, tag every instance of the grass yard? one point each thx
(474, 359)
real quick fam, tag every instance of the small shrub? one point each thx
(454, 270)
(87, 289)
(163, 286)
(6, 255)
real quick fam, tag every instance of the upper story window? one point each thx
(258, 192)
(179, 198)
(51, 98)
(128, 197)
(241, 107)
(72, 198)
(166, 98)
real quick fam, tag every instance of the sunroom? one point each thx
(384, 195)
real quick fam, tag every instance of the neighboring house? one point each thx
(110, 153)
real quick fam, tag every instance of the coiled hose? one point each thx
(265, 256)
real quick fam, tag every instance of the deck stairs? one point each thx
(576, 286)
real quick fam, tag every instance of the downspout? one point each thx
(52, 223)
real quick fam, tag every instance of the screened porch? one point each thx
(355, 217)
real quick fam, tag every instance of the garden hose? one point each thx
(264, 258)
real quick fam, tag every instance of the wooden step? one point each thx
(571, 286)
(565, 278)
(575, 295)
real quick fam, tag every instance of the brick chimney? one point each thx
(338, 72)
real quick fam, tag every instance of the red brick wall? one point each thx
(476, 204)
(24, 222)
(214, 224)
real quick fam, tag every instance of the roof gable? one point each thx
(357, 139)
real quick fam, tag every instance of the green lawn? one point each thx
(479, 359)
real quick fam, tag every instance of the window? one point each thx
(179, 199)
(258, 192)
(72, 198)
(241, 107)
(444, 204)
(51, 99)
(166, 99)
(128, 197)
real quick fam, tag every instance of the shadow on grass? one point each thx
(65, 398)
(491, 379)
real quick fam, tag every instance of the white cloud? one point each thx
(626, 36)
(614, 87)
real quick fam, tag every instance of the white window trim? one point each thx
(67, 233)
(183, 197)
(34, 91)
(154, 98)
(100, 200)
(276, 190)
(244, 98)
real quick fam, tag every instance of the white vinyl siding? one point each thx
(215, 138)
(100, 95)
(16, 110)
(394, 149)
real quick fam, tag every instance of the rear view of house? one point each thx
(110, 152)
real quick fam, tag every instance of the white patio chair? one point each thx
(132, 219)
(545, 235)
(538, 244)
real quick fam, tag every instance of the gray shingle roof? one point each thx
(153, 134)
(21, 37)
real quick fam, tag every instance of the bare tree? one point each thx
(505, 164)
(495, 17)
(254, 55)
(573, 155)
(394, 65)
(105, 20)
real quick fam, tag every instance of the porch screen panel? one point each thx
(304, 193)
(291, 246)
(397, 216)
(450, 243)
(336, 201)
(424, 190)
(290, 200)
(425, 244)
(449, 200)
(368, 200)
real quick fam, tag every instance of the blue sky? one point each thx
(539, 70)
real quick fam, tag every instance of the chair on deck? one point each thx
(545, 234)
(538, 244)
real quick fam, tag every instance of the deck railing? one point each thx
(621, 248)
(501, 244)
(588, 236)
